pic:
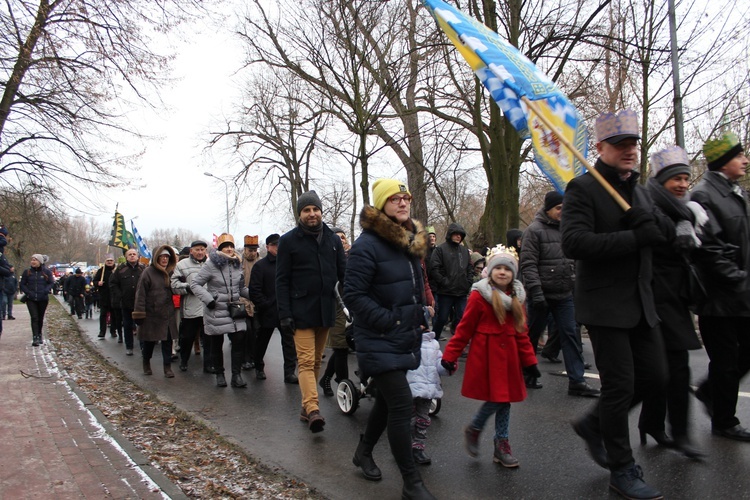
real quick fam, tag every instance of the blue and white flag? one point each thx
(142, 248)
(509, 76)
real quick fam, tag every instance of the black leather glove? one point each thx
(539, 303)
(139, 321)
(532, 371)
(636, 217)
(287, 323)
(182, 279)
(211, 305)
(648, 235)
(450, 366)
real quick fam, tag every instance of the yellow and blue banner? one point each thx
(509, 75)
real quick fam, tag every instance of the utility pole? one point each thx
(679, 130)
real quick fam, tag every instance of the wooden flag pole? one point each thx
(606, 185)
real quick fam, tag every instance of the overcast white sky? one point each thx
(177, 194)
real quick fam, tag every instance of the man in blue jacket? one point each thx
(310, 261)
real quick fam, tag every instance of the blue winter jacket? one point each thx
(36, 283)
(384, 290)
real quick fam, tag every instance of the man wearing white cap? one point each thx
(613, 295)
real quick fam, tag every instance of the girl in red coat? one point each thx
(500, 352)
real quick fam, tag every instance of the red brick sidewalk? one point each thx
(53, 442)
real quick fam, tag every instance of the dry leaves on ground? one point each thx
(192, 455)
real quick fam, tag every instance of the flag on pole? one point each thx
(117, 237)
(142, 248)
(215, 241)
(509, 75)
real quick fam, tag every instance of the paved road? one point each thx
(263, 419)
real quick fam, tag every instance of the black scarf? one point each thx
(673, 207)
(315, 231)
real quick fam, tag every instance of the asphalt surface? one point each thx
(263, 420)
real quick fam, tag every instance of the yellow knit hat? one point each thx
(382, 189)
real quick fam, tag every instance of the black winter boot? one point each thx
(363, 459)
(414, 488)
(325, 383)
(220, 380)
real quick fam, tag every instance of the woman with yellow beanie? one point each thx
(384, 289)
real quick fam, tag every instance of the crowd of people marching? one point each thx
(633, 263)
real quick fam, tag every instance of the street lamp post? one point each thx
(226, 190)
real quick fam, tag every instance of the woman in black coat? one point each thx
(384, 290)
(36, 284)
(668, 189)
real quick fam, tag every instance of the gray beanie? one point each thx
(501, 255)
(39, 257)
(308, 198)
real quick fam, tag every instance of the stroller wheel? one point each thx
(347, 396)
(435, 405)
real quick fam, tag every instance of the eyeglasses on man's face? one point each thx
(396, 200)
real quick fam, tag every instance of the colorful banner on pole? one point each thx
(120, 237)
(142, 248)
(118, 229)
(508, 75)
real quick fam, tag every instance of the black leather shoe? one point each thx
(587, 366)
(532, 382)
(738, 433)
(220, 380)
(629, 483)
(183, 368)
(291, 379)
(551, 358)
(684, 446)
(583, 389)
(237, 381)
(260, 374)
(420, 457)
(593, 440)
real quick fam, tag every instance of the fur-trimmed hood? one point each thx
(170, 265)
(220, 259)
(413, 241)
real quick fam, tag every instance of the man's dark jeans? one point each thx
(446, 304)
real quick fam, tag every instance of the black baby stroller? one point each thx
(348, 395)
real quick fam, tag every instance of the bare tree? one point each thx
(67, 67)
(297, 39)
(178, 238)
(275, 136)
